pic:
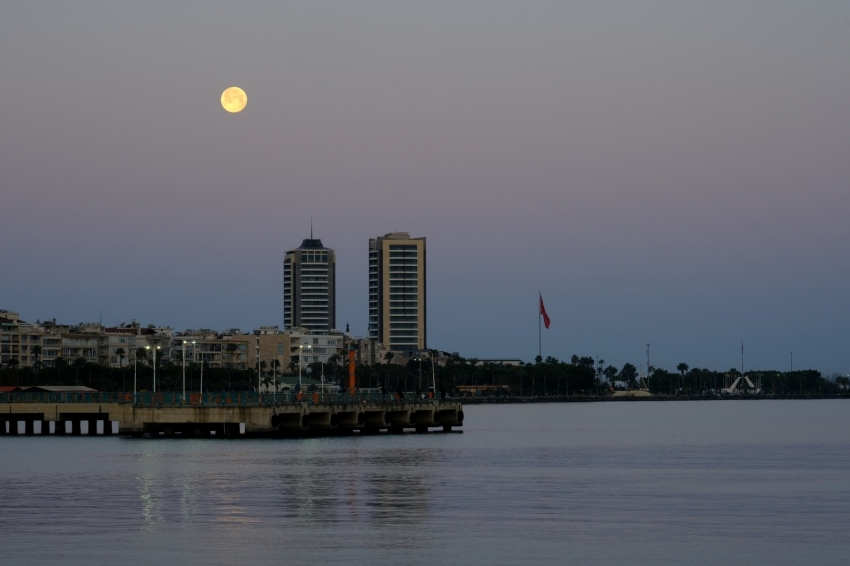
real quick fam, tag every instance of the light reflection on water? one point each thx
(638, 483)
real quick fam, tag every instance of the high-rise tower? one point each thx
(397, 291)
(309, 287)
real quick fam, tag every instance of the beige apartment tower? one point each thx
(397, 292)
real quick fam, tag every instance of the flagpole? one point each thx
(539, 328)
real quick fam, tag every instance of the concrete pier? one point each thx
(300, 418)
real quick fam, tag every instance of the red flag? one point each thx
(543, 312)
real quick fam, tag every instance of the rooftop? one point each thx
(311, 244)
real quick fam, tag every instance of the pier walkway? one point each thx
(222, 414)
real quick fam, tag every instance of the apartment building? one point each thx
(309, 287)
(273, 346)
(265, 347)
(397, 292)
(10, 337)
(307, 347)
(81, 342)
(29, 343)
(233, 348)
(116, 346)
(32, 336)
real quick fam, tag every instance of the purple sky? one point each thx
(673, 173)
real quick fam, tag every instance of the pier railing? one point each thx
(215, 399)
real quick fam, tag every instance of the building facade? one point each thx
(397, 292)
(309, 287)
(268, 349)
(10, 337)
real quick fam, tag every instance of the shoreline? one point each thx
(655, 398)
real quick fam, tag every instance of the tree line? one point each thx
(580, 375)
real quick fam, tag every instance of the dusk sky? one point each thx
(671, 173)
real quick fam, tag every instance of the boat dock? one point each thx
(229, 415)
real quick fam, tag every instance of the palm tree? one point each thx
(599, 364)
(59, 363)
(683, 367)
(13, 363)
(141, 355)
(120, 352)
(628, 374)
(388, 357)
(79, 364)
(611, 373)
(231, 351)
(36, 352)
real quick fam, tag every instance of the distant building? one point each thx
(309, 287)
(500, 361)
(397, 292)
(267, 349)
(307, 347)
(10, 337)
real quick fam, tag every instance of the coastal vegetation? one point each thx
(462, 376)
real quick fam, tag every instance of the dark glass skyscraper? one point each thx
(309, 287)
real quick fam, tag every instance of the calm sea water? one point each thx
(747, 482)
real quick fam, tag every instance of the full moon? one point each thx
(234, 99)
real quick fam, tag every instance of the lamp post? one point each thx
(153, 351)
(433, 374)
(185, 343)
(135, 357)
(301, 348)
(420, 372)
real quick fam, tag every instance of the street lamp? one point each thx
(433, 374)
(301, 361)
(184, 365)
(420, 372)
(154, 365)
